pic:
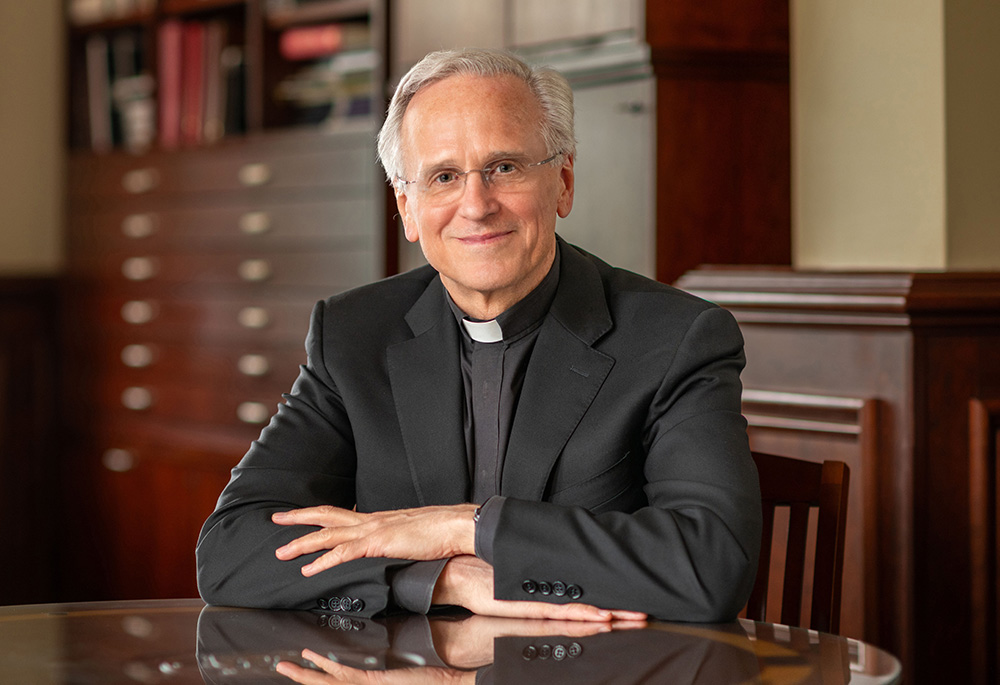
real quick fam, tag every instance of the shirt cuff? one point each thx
(486, 527)
(413, 586)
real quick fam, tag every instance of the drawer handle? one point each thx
(137, 356)
(138, 312)
(139, 225)
(253, 365)
(118, 460)
(253, 412)
(137, 398)
(138, 181)
(253, 317)
(255, 270)
(255, 174)
(139, 268)
(255, 223)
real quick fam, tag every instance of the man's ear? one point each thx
(566, 178)
(409, 226)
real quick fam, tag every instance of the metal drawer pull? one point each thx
(139, 268)
(137, 356)
(138, 181)
(138, 312)
(253, 365)
(255, 223)
(137, 398)
(253, 412)
(139, 225)
(253, 317)
(255, 270)
(118, 460)
(255, 174)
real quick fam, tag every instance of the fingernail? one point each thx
(279, 516)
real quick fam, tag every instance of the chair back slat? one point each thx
(801, 486)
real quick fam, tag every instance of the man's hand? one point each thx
(421, 534)
(338, 673)
(467, 581)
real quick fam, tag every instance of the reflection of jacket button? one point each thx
(574, 650)
(544, 652)
(529, 653)
(559, 588)
(357, 606)
(321, 603)
(559, 652)
(574, 591)
(529, 586)
(544, 588)
(345, 603)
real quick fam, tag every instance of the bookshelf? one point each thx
(222, 178)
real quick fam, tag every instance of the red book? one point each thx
(312, 42)
(193, 83)
(169, 67)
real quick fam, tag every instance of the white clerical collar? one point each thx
(483, 331)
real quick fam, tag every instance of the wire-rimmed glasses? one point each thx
(444, 185)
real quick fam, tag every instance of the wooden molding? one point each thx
(984, 519)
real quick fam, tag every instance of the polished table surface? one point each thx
(183, 641)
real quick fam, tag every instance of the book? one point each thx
(169, 96)
(192, 82)
(214, 105)
(323, 40)
(99, 93)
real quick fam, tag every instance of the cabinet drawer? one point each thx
(351, 162)
(107, 317)
(320, 222)
(336, 270)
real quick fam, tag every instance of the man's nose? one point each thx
(478, 194)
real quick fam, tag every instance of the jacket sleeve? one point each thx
(691, 553)
(304, 457)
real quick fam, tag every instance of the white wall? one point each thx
(895, 134)
(31, 136)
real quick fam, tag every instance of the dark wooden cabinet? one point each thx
(899, 376)
(187, 299)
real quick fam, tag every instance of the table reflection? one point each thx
(182, 641)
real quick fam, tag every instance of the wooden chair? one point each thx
(801, 485)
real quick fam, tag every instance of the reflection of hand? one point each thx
(467, 581)
(468, 643)
(420, 534)
(338, 673)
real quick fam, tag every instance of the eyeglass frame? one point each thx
(401, 183)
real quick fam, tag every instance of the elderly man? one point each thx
(518, 428)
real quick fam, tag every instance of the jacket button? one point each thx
(529, 586)
(544, 588)
(574, 591)
(333, 604)
(345, 603)
(321, 603)
(559, 652)
(559, 588)
(544, 651)
(529, 653)
(357, 606)
(574, 650)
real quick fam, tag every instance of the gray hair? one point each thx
(550, 87)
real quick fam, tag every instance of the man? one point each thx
(517, 428)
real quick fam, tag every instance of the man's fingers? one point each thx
(317, 516)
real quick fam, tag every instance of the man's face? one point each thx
(491, 245)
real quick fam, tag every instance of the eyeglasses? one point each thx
(446, 185)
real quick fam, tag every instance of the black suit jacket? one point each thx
(628, 472)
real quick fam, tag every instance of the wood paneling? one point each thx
(723, 169)
(920, 349)
(30, 502)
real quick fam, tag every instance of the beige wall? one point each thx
(895, 135)
(31, 136)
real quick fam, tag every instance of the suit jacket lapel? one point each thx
(563, 377)
(426, 378)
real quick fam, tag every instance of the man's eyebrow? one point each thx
(450, 163)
